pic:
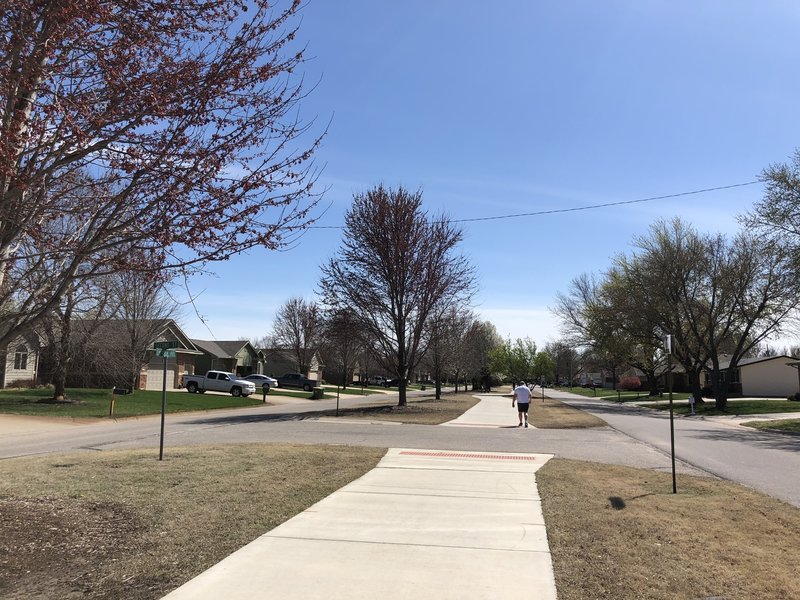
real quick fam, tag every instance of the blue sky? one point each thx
(527, 106)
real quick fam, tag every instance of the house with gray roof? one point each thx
(238, 356)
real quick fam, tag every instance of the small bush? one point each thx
(794, 397)
(630, 384)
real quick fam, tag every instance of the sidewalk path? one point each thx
(493, 410)
(422, 524)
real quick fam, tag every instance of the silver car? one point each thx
(264, 381)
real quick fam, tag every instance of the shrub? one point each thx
(630, 383)
(794, 397)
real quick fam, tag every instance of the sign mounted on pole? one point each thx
(166, 349)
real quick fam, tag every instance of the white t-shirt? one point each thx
(522, 394)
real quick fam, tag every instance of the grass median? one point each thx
(428, 411)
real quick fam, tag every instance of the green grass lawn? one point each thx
(642, 396)
(781, 426)
(96, 402)
(351, 390)
(735, 407)
(619, 396)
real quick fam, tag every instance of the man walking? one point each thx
(522, 398)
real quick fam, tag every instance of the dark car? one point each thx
(297, 380)
(393, 382)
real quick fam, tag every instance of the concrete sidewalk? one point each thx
(422, 524)
(494, 410)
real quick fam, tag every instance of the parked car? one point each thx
(393, 382)
(218, 381)
(377, 380)
(264, 381)
(297, 380)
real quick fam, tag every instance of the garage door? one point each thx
(155, 378)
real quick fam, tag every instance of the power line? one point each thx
(578, 208)
(607, 204)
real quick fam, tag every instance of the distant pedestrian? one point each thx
(522, 398)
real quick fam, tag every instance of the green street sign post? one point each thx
(167, 350)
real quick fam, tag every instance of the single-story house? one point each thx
(119, 352)
(109, 353)
(237, 356)
(19, 360)
(770, 376)
(592, 379)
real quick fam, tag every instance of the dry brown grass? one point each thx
(552, 414)
(618, 532)
(423, 412)
(124, 525)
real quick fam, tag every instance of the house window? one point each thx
(21, 358)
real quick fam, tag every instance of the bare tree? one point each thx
(142, 309)
(341, 342)
(395, 266)
(108, 336)
(447, 345)
(63, 341)
(142, 134)
(298, 327)
(778, 212)
(565, 359)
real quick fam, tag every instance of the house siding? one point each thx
(769, 378)
(12, 374)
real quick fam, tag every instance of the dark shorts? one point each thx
(523, 406)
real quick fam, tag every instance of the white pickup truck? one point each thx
(218, 381)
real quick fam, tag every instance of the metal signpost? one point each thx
(167, 350)
(668, 350)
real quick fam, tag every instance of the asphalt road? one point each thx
(768, 462)
(635, 437)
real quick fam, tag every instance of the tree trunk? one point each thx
(59, 378)
(694, 384)
(652, 381)
(62, 354)
(133, 381)
(719, 385)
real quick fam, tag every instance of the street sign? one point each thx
(166, 348)
(167, 344)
